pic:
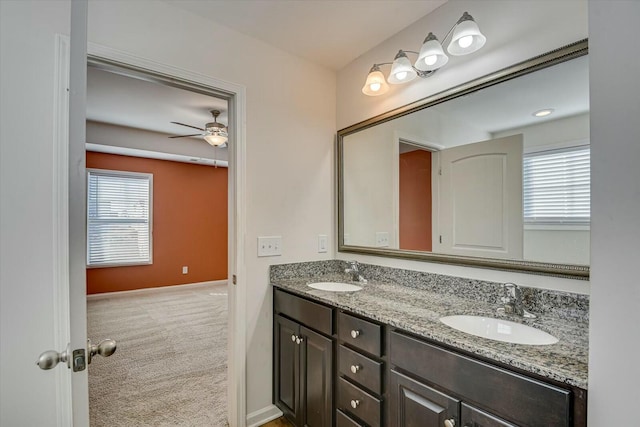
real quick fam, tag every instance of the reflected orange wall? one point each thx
(415, 200)
(189, 225)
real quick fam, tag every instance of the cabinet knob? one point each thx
(355, 333)
(355, 404)
(299, 340)
(450, 423)
(355, 368)
(293, 338)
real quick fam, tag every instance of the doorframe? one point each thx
(236, 97)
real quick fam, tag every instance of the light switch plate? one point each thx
(269, 246)
(382, 239)
(322, 243)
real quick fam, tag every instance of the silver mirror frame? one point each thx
(549, 59)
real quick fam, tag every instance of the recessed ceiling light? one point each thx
(543, 113)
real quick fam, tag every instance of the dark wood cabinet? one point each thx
(413, 404)
(335, 368)
(303, 367)
(474, 417)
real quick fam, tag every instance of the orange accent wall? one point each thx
(415, 200)
(189, 225)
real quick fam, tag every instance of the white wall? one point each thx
(28, 29)
(290, 136)
(516, 30)
(614, 340)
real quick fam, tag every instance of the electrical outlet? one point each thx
(269, 246)
(382, 239)
(185, 269)
(322, 243)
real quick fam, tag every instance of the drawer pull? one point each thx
(299, 340)
(293, 338)
(355, 333)
(450, 423)
(355, 403)
(355, 368)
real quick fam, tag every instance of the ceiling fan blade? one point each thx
(189, 126)
(184, 136)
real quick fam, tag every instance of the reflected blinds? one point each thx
(118, 218)
(557, 186)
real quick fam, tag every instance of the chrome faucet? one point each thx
(355, 272)
(512, 301)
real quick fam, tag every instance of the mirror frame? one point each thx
(546, 60)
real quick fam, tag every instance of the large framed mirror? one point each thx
(494, 173)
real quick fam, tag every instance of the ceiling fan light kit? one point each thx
(214, 133)
(466, 38)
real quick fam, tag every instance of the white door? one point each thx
(480, 199)
(42, 221)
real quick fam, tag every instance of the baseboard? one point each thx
(263, 416)
(157, 289)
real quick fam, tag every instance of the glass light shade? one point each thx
(466, 38)
(375, 84)
(401, 70)
(216, 138)
(431, 56)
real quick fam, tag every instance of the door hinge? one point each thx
(440, 238)
(234, 279)
(440, 171)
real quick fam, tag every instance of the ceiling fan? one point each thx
(214, 133)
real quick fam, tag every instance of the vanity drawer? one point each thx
(360, 333)
(353, 400)
(343, 420)
(314, 315)
(368, 372)
(508, 394)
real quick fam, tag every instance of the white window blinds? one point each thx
(557, 186)
(118, 218)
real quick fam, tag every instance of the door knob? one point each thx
(450, 423)
(50, 359)
(355, 403)
(355, 333)
(299, 340)
(355, 368)
(104, 348)
(293, 338)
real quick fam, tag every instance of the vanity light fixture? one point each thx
(465, 38)
(543, 113)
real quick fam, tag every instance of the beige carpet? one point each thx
(170, 368)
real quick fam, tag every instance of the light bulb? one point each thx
(430, 60)
(375, 87)
(401, 75)
(465, 41)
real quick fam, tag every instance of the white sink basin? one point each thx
(335, 286)
(499, 330)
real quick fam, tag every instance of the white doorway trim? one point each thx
(236, 362)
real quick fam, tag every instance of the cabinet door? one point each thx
(287, 368)
(414, 404)
(473, 417)
(316, 381)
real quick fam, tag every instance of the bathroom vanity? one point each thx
(381, 357)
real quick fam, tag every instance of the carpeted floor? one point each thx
(170, 368)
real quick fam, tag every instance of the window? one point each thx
(557, 186)
(118, 218)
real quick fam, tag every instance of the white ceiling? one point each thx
(331, 33)
(140, 104)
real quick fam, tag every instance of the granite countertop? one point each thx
(418, 311)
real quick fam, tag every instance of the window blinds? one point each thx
(118, 218)
(557, 186)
